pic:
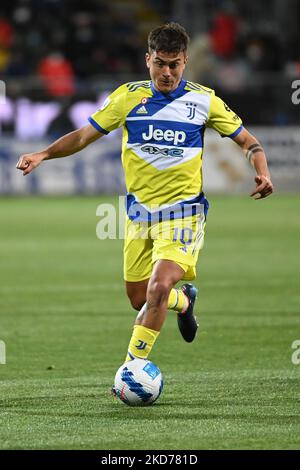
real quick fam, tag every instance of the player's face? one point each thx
(166, 69)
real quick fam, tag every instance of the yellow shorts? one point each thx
(178, 240)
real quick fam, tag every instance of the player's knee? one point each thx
(158, 291)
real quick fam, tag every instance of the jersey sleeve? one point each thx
(111, 115)
(223, 119)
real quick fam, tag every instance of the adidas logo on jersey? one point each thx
(176, 137)
(142, 110)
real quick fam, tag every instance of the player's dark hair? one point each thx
(170, 37)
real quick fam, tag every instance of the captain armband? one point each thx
(252, 150)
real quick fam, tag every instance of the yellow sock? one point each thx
(141, 342)
(177, 300)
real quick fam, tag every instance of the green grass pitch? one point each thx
(66, 323)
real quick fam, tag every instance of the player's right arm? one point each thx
(66, 145)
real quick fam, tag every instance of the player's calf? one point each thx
(136, 292)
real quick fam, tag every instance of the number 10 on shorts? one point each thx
(185, 235)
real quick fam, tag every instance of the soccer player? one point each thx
(163, 122)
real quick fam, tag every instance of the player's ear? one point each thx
(186, 58)
(147, 57)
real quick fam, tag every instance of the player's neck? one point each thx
(166, 92)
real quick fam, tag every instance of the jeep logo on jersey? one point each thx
(176, 137)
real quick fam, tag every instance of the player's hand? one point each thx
(29, 162)
(264, 187)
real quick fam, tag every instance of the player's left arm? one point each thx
(256, 156)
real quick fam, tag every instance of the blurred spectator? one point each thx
(6, 38)
(57, 74)
(17, 66)
(263, 53)
(201, 66)
(62, 124)
(6, 33)
(224, 34)
(4, 59)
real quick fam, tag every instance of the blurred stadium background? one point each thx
(64, 315)
(60, 58)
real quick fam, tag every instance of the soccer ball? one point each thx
(138, 383)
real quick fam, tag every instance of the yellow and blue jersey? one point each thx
(162, 145)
